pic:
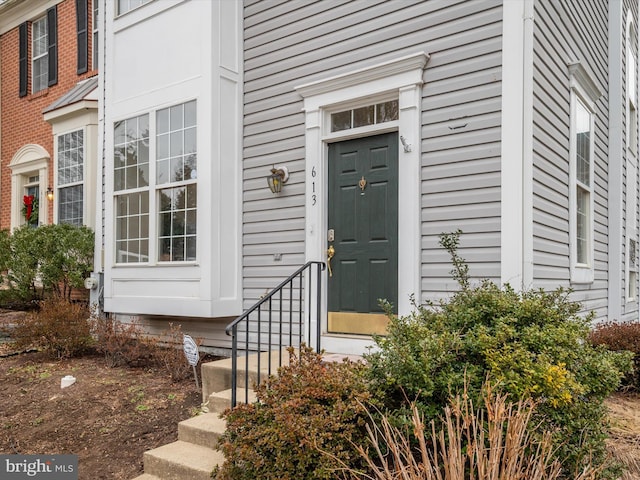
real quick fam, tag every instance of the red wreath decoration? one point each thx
(28, 203)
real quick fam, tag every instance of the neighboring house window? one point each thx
(94, 23)
(40, 62)
(125, 5)
(176, 174)
(71, 178)
(131, 186)
(44, 53)
(32, 193)
(82, 35)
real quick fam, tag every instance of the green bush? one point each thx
(50, 258)
(620, 337)
(532, 344)
(5, 252)
(310, 408)
(59, 328)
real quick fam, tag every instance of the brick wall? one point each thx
(22, 119)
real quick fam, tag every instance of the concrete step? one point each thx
(182, 460)
(203, 430)
(216, 376)
(220, 401)
(146, 476)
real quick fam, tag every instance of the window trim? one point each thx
(120, 12)
(83, 182)
(585, 91)
(43, 56)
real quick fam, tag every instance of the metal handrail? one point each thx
(253, 315)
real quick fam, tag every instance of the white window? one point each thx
(125, 5)
(584, 93)
(70, 183)
(39, 51)
(176, 172)
(584, 183)
(131, 182)
(364, 116)
(169, 194)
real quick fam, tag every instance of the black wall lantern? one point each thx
(279, 176)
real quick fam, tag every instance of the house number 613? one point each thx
(314, 198)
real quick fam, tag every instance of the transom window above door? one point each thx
(364, 116)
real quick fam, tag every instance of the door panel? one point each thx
(363, 211)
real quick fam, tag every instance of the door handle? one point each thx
(330, 253)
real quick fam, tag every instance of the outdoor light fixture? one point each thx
(50, 194)
(279, 176)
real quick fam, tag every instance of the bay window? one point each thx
(163, 189)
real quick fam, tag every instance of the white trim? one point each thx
(401, 78)
(29, 160)
(516, 188)
(581, 273)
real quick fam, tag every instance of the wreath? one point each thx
(30, 209)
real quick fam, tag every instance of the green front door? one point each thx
(363, 231)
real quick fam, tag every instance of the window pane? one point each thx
(70, 205)
(363, 116)
(340, 121)
(131, 153)
(177, 223)
(190, 114)
(176, 119)
(132, 227)
(582, 226)
(583, 144)
(71, 157)
(387, 111)
(162, 121)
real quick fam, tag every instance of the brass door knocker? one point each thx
(362, 184)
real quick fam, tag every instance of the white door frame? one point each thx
(400, 79)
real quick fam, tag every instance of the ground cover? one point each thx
(109, 417)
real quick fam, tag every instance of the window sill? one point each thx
(581, 275)
(39, 94)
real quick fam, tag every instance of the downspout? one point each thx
(98, 258)
(527, 145)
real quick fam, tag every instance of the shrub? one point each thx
(170, 354)
(495, 443)
(620, 337)
(60, 328)
(5, 253)
(531, 344)
(122, 344)
(311, 406)
(50, 258)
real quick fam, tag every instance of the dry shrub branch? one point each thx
(493, 443)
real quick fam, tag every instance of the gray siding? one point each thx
(566, 31)
(288, 43)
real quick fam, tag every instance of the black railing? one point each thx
(277, 321)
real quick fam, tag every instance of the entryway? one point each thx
(362, 233)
